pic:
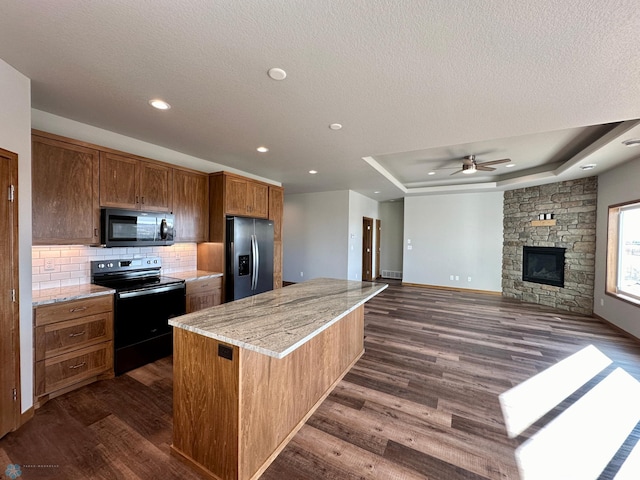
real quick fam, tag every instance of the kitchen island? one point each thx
(249, 373)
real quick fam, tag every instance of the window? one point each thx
(623, 252)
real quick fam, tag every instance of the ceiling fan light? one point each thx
(468, 169)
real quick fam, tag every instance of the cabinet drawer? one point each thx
(57, 312)
(199, 286)
(62, 337)
(58, 372)
(202, 301)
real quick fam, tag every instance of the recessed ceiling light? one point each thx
(510, 165)
(277, 73)
(590, 166)
(431, 173)
(262, 149)
(313, 172)
(632, 143)
(377, 191)
(159, 104)
(335, 126)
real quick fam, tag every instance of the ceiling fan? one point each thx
(469, 165)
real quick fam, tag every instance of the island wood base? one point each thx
(231, 418)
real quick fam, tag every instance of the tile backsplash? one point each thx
(62, 266)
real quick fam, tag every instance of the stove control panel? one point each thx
(125, 265)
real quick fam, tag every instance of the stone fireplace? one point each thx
(573, 205)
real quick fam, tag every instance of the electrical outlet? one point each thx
(48, 264)
(602, 302)
(302, 274)
(450, 277)
(468, 279)
(457, 278)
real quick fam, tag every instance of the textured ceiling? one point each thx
(409, 80)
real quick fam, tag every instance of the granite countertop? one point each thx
(64, 294)
(277, 322)
(191, 275)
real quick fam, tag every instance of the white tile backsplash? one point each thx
(70, 264)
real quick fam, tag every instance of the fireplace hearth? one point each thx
(543, 265)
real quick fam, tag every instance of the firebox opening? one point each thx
(543, 265)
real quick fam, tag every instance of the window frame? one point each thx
(613, 252)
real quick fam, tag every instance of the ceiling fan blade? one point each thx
(495, 162)
(456, 172)
(480, 166)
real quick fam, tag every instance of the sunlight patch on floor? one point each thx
(529, 401)
(580, 442)
(630, 470)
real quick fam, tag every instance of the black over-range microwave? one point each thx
(132, 228)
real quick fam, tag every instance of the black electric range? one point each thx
(144, 302)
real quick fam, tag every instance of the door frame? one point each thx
(378, 235)
(13, 418)
(367, 249)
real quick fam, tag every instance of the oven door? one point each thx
(142, 333)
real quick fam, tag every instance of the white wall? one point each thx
(359, 206)
(15, 136)
(459, 234)
(616, 186)
(392, 219)
(69, 128)
(315, 230)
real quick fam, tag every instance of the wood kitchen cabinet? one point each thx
(203, 293)
(246, 197)
(131, 183)
(191, 206)
(276, 205)
(73, 345)
(65, 207)
(229, 194)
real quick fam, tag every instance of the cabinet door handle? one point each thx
(79, 309)
(143, 200)
(73, 367)
(137, 199)
(76, 334)
(95, 232)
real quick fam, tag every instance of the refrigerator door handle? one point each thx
(254, 272)
(256, 260)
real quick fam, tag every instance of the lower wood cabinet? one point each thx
(203, 293)
(73, 345)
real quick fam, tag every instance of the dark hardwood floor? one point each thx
(421, 403)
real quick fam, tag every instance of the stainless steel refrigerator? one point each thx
(249, 257)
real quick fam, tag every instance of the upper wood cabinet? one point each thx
(246, 197)
(131, 183)
(64, 192)
(191, 206)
